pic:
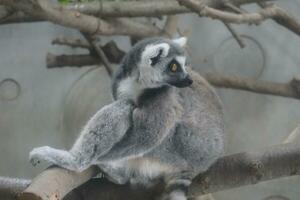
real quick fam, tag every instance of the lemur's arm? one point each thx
(152, 122)
(101, 133)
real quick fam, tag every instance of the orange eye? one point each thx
(173, 67)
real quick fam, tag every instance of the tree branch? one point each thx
(269, 11)
(228, 172)
(251, 85)
(119, 9)
(111, 50)
(58, 61)
(45, 10)
(74, 43)
(286, 20)
(54, 183)
(100, 54)
(144, 8)
(170, 26)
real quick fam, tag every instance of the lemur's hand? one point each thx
(38, 154)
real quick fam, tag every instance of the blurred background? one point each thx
(40, 106)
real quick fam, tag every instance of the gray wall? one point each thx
(39, 106)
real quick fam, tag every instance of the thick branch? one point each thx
(43, 9)
(228, 172)
(54, 183)
(171, 25)
(144, 8)
(286, 20)
(257, 86)
(57, 61)
(121, 8)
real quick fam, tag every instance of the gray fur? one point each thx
(162, 132)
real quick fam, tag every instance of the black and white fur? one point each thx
(160, 126)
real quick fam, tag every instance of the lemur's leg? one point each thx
(78, 158)
(177, 186)
(56, 157)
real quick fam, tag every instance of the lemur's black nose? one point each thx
(188, 80)
(184, 82)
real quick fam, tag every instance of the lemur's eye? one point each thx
(173, 67)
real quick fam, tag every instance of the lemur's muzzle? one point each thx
(184, 82)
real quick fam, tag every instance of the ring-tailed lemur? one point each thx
(159, 126)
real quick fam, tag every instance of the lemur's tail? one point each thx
(11, 187)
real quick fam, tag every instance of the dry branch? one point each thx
(285, 19)
(111, 50)
(122, 9)
(235, 35)
(54, 183)
(205, 11)
(251, 85)
(228, 172)
(58, 61)
(171, 25)
(144, 8)
(46, 10)
(74, 43)
(96, 47)
(269, 11)
(113, 9)
(73, 15)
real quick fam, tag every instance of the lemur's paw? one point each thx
(38, 154)
(35, 161)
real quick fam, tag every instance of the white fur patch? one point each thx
(177, 195)
(129, 88)
(180, 41)
(150, 168)
(181, 60)
(181, 181)
(152, 50)
(149, 77)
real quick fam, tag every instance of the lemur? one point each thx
(166, 122)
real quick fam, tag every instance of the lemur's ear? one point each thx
(180, 41)
(154, 52)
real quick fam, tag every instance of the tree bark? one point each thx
(228, 172)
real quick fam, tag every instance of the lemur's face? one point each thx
(164, 64)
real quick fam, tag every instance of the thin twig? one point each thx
(100, 53)
(235, 8)
(74, 43)
(235, 35)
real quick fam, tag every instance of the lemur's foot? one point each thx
(38, 154)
